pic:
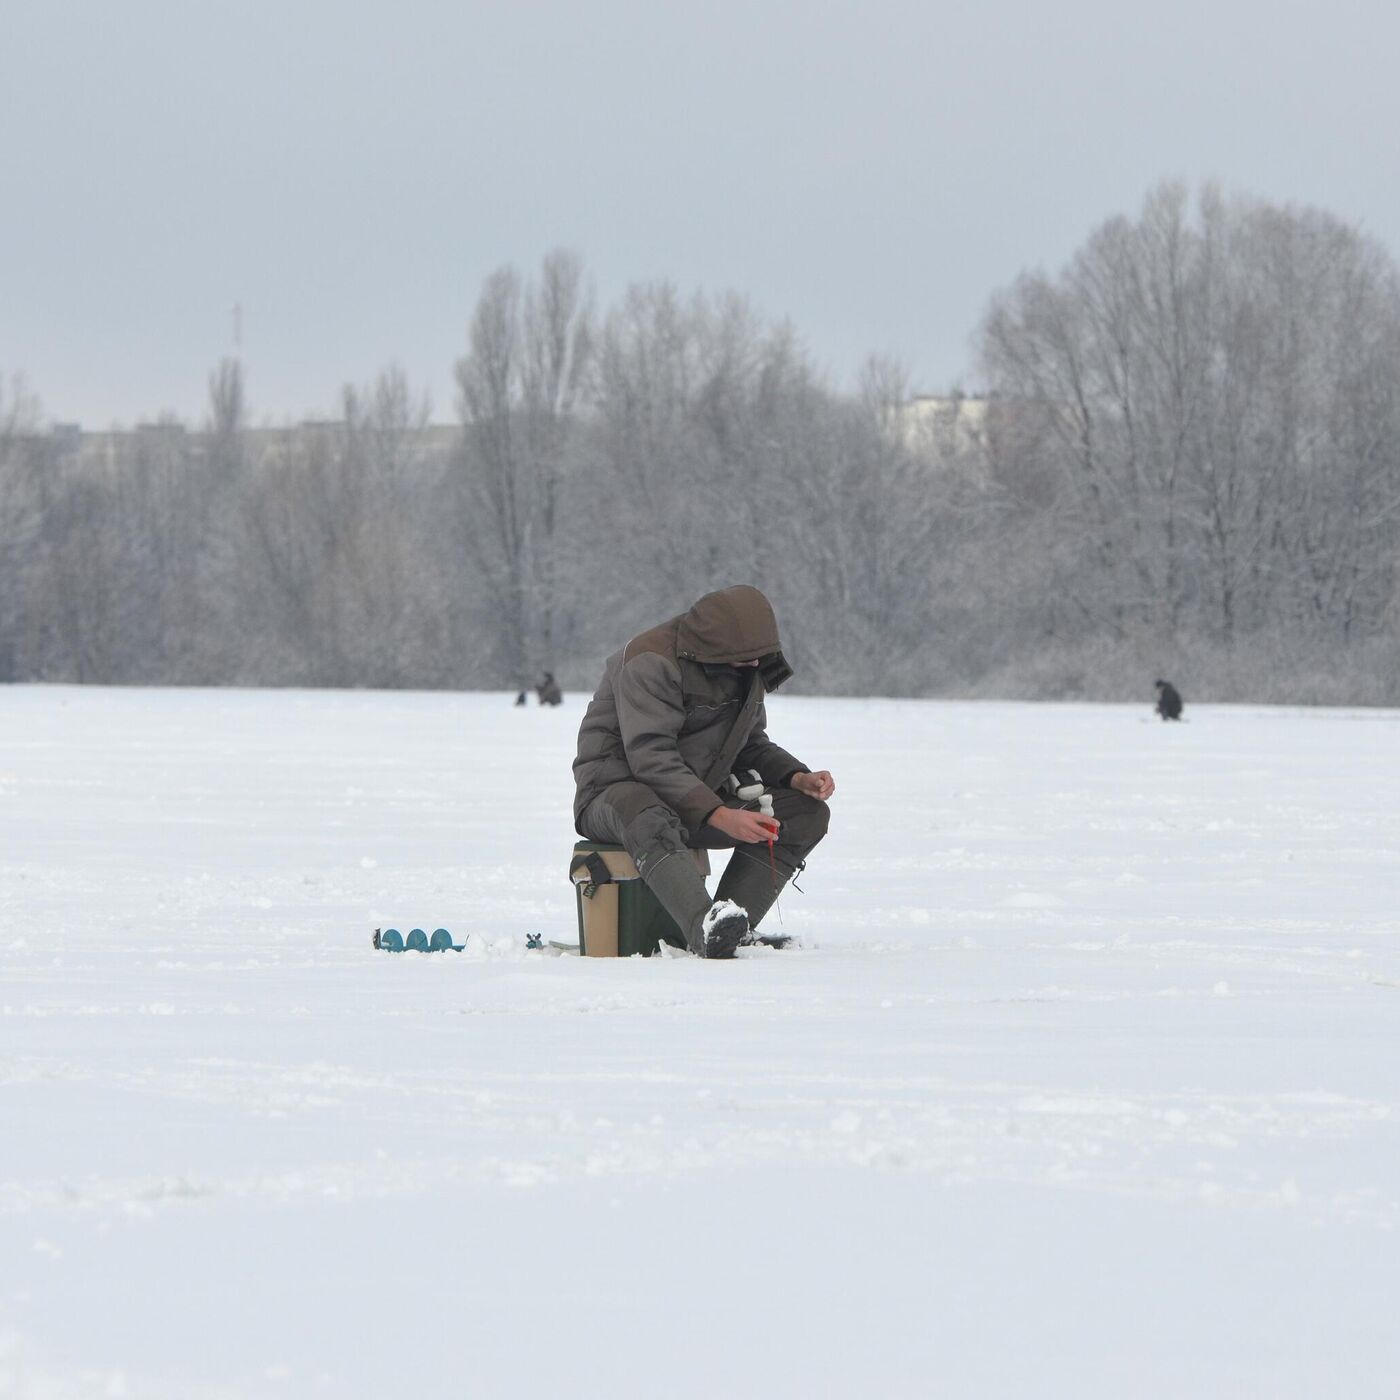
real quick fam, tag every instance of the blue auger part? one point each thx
(416, 942)
(391, 941)
(441, 941)
(534, 940)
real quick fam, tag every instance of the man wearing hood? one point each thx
(680, 709)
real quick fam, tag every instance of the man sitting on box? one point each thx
(678, 722)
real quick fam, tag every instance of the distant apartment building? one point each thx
(942, 426)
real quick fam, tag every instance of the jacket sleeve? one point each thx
(774, 764)
(650, 714)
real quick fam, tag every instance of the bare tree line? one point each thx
(1207, 419)
(1189, 460)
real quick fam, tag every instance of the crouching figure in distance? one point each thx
(1168, 700)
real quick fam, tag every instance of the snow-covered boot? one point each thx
(724, 927)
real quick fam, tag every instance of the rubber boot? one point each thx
(749, 881)
(710, 931)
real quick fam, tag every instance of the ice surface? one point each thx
(1087, 1081)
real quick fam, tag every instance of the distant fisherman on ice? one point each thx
(1168, 700)
(673, 754)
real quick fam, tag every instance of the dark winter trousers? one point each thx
(633, 816)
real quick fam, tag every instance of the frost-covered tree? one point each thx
(1210, 394)
(519, 391)
(21, 523)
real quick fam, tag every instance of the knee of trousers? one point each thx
(804, 821)
(651, 833)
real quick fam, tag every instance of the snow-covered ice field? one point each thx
(1087, 1081)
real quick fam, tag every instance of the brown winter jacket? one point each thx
(673, 713)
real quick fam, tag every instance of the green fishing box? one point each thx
(620, 918)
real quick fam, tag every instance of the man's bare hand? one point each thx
(751, 828)
(820, 785)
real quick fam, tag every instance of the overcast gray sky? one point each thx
(350, 172)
